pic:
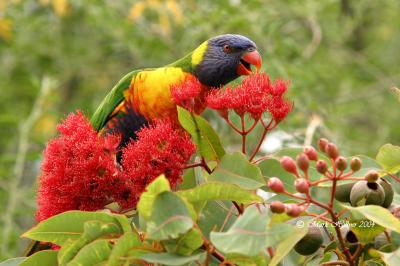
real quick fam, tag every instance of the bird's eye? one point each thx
(227, 48)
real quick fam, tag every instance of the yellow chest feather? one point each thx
(150, 93)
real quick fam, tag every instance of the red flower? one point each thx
(160, 149)
(254, 96)
(78, 170)
(189, 94)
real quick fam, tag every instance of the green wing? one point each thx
(111, 101)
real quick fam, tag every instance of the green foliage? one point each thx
(219, 191)
(378, 215)
(170, 217)
(338, 54)
(203, 135)
(389, 158)
(60, 228)
(250, 230)
(236, 169)
(41, 258)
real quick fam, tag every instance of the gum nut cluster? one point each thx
(374, 190)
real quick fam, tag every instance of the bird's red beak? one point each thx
(247, 60)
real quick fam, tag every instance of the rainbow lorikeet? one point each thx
(143, 95)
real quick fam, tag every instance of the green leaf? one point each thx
(41, 258)
(378, 215)
(285, 246)
(186, 244)
(389, 158)
(203, 135)
(189, 179)
(159, 185)
(214, 215)
(169, 218)
(12, 262)
(121, 247)
(391, 259)
(236, 169)
(219, 191)
(92, 254)
(366, 230)
(249, 230)
(242, 260)
(92, 231)
(70, 225)
(173, 259)
(276, 233)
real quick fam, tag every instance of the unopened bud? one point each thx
(341, 163)
(332, 150)
(277, 207)
(276, 185)
(301, 185)
(293, 210)
(302, 162)
(321, 166)
(322, 142)
(355, 164)
(372, 176)
(289, 165)
(311, 153)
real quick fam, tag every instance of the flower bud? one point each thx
(289, 165)
(311, 153)
(293, 210)
(321, 166)
(302, 162)
(372, 176)
(355, 164)
(332, 150)
(301, 185)
(277, 207)
(322, 142)
(276, 185)
(341, 163)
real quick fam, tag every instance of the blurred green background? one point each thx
(342, 58)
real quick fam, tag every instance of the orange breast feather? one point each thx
(150, 94)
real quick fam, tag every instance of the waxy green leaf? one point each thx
(219, 191)
(41, 258)
(159, 185)
(378, 215)
(92, 254)
(170, 217)
(70, 225)
(203, 135)
(250, 230)
(236, 169)
(122, 246)
(173, 259)
(389, 158)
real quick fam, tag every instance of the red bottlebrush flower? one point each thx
(189, 95)
(255, 96)
(78, 171)
(160, 149)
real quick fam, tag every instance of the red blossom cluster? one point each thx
(163, 148)
(254, 96)
(79, 171)
(189, 94)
